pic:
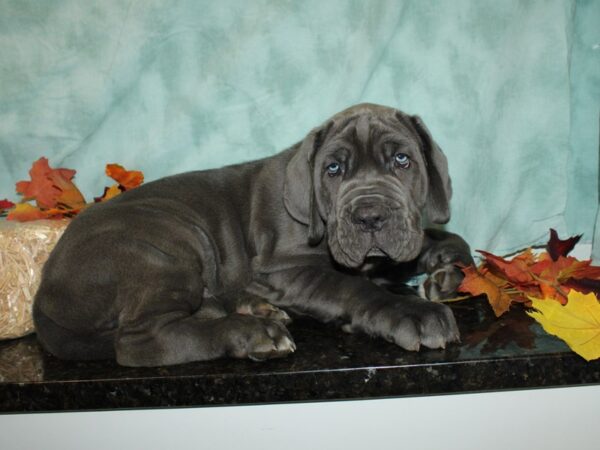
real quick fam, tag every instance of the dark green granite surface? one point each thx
(509, 353)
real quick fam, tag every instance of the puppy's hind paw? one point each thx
(260, 339)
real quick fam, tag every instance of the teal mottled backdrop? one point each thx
(509, 89)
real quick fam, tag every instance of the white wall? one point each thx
(561, 419)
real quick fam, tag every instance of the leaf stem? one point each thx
(455, 299)
(549, 283)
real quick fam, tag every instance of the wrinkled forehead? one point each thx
(367, 128)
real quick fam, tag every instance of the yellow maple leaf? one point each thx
(577, 323)
(24, 212)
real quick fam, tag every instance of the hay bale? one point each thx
(24, 248)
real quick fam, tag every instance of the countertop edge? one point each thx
(482, 375)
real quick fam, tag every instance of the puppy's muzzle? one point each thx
(370, 217)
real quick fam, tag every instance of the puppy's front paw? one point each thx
(442, 283)
(412, 322)
(429, 324)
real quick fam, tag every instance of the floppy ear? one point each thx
(440, 188)
(299, 188)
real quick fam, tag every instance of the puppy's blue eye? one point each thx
(402, 160)
(334, 169)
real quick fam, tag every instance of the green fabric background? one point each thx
(510, 90)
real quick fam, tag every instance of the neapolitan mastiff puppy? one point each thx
(197, 266)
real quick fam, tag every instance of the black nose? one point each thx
(370, 217)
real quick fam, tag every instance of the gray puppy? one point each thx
(197, 266)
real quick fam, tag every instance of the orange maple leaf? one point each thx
(557, 276)
(516, 271)
(482, 281)
(586, 271)
(25, 212)
(560, 269)
(127, 179)
(51, 188)
(40, 187)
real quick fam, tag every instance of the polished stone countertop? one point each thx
(495, 354)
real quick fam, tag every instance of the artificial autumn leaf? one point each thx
(577, 323)
(24, 212)
(51, 187)
(529, 275)
(5, 204)
(564, 267)
(584, 285)
(70, 197)
(109, 192)
(127, 179)
(478, 282)
(516, 270)
(551, 274)
(557, 277)
(586, 271)
(552, 283)
(557, 247)
(57, 196)
(40, 187)
(553, 291)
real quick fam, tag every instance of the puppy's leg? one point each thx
(328, 295)
(164, 331)
(175, 340)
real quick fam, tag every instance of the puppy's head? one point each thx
(364, 179)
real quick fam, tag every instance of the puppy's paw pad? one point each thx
(442, 283)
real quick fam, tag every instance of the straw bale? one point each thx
(24, 248)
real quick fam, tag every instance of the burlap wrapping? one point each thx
(24, 248)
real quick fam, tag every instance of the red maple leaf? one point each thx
(5, 204)
(557, 247)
